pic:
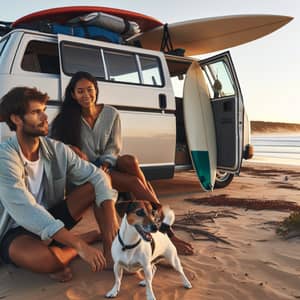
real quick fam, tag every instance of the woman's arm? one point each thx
(113, 145)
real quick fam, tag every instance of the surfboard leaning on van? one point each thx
(176, 112)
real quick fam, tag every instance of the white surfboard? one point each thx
(213, 34)
(199, 126)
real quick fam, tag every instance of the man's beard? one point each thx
(36, 131)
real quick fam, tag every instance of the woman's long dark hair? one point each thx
(66, 126)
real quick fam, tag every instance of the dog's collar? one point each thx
(127, 247)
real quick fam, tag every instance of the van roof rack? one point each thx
(5, 27)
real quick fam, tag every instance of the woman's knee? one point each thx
(127, 162)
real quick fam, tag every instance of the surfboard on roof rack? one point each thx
(207, 35)
(62, 15)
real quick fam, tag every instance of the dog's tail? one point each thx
(169, 215)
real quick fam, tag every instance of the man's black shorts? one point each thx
(59, 211)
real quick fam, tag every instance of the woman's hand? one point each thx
(106, 167)
(80, 153)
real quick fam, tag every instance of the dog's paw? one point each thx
(112, 294)
(142, 283)
(187, 285)
(150, 297)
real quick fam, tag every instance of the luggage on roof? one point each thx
(80, 30)
(113, 23)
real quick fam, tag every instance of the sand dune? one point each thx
(256, 264)
(260, 127)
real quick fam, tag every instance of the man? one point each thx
(34, 210)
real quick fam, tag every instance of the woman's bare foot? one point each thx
(183, 248)
(62, 276)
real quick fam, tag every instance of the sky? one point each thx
(268, 68)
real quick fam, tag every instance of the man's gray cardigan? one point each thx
(61, 164)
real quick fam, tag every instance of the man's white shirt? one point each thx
(34, 171)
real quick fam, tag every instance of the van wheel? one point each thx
(223, 179)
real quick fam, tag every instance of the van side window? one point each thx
(121, 67)
(41, 57)
(77, 57)
(150, 70)
(112, 65)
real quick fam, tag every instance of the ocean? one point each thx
(277, 148)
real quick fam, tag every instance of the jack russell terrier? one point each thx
(140, 244)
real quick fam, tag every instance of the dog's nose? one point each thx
(153, 228)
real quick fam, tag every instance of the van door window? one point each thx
(219, 80)
(150, 70)
(41, 57)
(121, 67)
(82, 58)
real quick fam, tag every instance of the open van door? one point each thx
(228, 110)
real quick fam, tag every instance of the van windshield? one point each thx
(2, 45)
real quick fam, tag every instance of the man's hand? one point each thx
(94, 257)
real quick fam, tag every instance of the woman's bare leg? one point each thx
(124, 182)
(130, 165)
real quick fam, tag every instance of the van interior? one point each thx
(178, 68)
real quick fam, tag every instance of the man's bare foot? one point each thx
(91, 237)
(183, 248)
(62, 276)
(64, 255)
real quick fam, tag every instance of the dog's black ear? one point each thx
(124, 199)
(132, 206)
(123, 207)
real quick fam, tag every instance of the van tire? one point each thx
(223, 179)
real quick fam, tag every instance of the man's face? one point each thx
(35, 121)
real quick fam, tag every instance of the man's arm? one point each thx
(19, 202)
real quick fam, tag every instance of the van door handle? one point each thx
(162, 98)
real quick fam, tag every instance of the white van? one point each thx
(140, 83)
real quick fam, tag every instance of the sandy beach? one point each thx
(250, 261)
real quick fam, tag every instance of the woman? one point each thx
(99, 141)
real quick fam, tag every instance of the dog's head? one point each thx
(143, 216)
